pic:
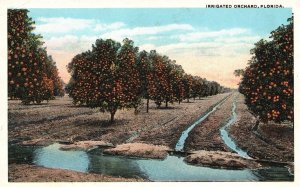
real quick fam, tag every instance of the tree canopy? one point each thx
(32, 74)
(268, 80)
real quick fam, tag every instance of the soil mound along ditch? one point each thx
(180, 144)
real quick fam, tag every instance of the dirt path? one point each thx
(272, 141)
(206, 136)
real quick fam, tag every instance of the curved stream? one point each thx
(225, 135)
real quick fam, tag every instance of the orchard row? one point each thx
(113, 76)
(32, 74)
(268, 81)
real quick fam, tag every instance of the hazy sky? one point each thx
(210, 43)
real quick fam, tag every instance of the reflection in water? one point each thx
(20, 154)
(52, 157)
(275, 172)
(172, 168)
(114, 165)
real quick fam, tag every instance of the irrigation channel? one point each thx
(173, 168)
(225, 135)
(180, 144)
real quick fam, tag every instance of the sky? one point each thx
(210, 43)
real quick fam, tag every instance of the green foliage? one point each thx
(29, 77)
(114, 76)
(188, 84)
(106, 77)
(268, 83)
(239, 72)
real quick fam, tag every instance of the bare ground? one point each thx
(221, 159)
(206, 136)
(85, 145)
(61, 121)
(169, 132)
(140, 150)
(271, 142)
(40, 174)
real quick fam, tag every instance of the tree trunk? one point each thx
(112, 116)
(188, 100)
(147, 109)
(166, 104)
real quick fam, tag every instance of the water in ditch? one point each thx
(173, 168)
(225, 135)
(180, 144)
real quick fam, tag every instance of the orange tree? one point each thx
(127, 75)
(19, 28)
(52, 73)
(177, 83)
(204, 89)
(145, 68)
(197, 87)
(27, 74)
(80, 82)
(188, 85)
(207, 88)
(215, 88)
(106, 77)
(172, 81)
(268, 82)
(160, 86)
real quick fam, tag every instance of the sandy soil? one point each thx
(40, 174)
(206, 136)
(272, 141)
(86, 145)
(21, 115)
(139, 150)
(221, 159)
